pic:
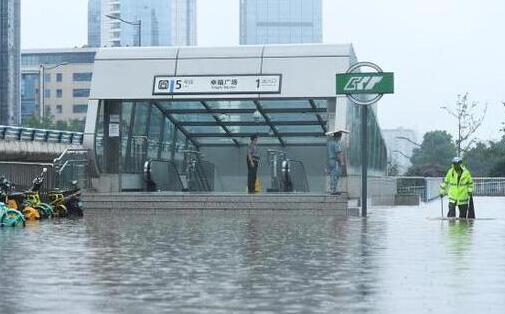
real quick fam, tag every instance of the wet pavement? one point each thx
(398, 260)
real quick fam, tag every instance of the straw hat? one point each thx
(331, 133)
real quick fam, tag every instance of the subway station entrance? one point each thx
(180, 119)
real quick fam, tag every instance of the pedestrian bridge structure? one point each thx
(19, 144)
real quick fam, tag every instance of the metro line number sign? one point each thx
(365, 83)
(217, 84)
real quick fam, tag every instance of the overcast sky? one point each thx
(437, 48)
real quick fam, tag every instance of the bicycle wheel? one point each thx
(43, 211)
(60, 211)
(49, 208)
(12, 218)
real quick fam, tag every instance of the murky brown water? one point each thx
(396, 260)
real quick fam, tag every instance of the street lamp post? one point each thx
(138, 23)
(42, 74)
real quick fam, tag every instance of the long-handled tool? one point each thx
(442, 206)
(471, 209)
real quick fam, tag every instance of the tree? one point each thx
(470, 117)
(503, 123)
(434, 155)
(48, 122)
(37, 123)
(485, 159)
(498, 169)
(393, 169)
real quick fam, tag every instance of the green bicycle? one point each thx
(10, 217)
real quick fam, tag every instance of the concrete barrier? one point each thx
(407, 200)
(214, 201)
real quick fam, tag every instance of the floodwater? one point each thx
(395, 261)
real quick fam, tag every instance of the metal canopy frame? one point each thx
(177, 125)
(309, 115)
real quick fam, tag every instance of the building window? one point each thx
(80, 108)
(59, 109)
(47, 93)
(47, 77)
(82, 77)
(59, 93)
(59, 77)
(81, 92)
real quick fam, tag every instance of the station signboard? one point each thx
(365, 83)
(217, 84)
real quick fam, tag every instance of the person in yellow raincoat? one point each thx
(458, 186)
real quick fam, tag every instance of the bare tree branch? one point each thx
(469, 118)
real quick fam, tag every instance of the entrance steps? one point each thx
(214, 201)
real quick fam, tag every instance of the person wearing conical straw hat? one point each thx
(336, 160)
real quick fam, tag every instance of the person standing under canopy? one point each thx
(252, 164)
(458, 186)
(336, 160)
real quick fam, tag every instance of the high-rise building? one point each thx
(280, 21)
(10, 100)
(153, 22)
(94, 18)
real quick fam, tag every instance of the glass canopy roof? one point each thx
(232, 122)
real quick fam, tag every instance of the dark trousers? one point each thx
(462, 210)
(252, 173)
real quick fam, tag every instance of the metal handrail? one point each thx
(67, 151)
(59, 170)
(305, 182)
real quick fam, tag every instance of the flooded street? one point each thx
(397, 260)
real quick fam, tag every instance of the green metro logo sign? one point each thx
(365, 83)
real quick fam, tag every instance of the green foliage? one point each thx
(49, 123)
(503, 123)
(487, 159)
(498, 169)
(393, 169)
(434, 156)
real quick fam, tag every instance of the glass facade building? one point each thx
(10, 100)
(280, 21)
(163, 22)
(29, 92)
(35, 59)
(94, 20)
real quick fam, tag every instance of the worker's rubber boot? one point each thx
(463, 210)
(452, 210)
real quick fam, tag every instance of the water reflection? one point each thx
(460, 236)
(254, 261)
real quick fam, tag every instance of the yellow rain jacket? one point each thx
(457, 187)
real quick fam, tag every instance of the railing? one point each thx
(198, 172)
(73, 165)
(489, 186)
(298, 176)
(275, 159)
(429, 188)
(23, 173)
(40, 135)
